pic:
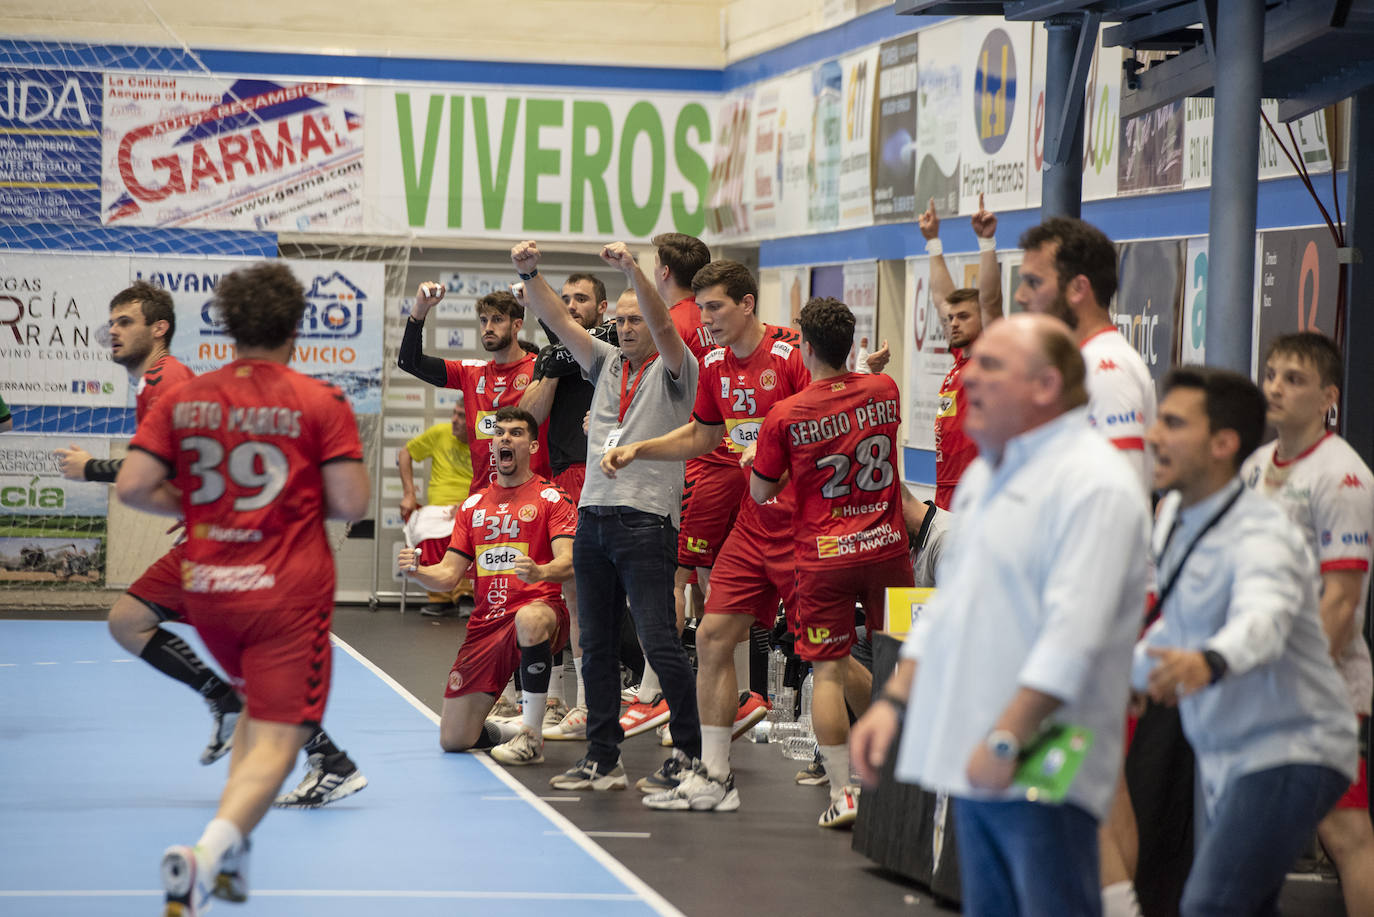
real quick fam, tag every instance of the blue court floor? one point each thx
(98, 774)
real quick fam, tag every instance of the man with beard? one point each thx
(486, 384)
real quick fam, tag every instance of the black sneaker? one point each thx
(666, 777)
(326, 780)
(439, 610)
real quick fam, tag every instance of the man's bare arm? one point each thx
(536, 295)
(538, 398)
(672, 350)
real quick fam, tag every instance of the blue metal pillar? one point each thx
(1062, 188)
(1235, 162)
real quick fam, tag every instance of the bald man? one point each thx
(1040, 595)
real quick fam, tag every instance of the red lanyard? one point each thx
(627, 397)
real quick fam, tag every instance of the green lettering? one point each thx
(589, 167)
(417, 187)
(1106, 138)
(493, 180)
(51, 498)
(8, 498)
(455, 162)
(540, 216)
(693, 167)
(642, 119)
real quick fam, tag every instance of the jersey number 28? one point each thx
(875, 468)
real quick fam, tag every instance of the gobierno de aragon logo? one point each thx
(994, 90)
(334, 311)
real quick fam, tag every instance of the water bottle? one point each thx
(785, 707)
(777, 663)
(808, 689)
(781, 732)
(799, 748)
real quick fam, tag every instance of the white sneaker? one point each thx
(842, 811)
(525, 748)
(185, 882)
(698, 792)
(554, 713)
(572, 727)
(504, 709)
(588, 775)
(665, 735)
(325, 780)
(629, 695)
(221, 737)
(232, 882)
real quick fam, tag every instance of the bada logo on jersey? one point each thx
(743, 433)
(495, 559)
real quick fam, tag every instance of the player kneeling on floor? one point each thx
(517, 538)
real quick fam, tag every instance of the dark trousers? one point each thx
(618, 548)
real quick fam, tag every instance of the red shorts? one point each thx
(1357, 797)
(490, 654)
(750, 577)
(278, 659)
(571, 480)
(711, 496)
(826, 598)
(160, 586)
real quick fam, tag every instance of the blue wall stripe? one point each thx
(144, 240)
(1282, 202)
(50, 55)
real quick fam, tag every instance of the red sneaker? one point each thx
(752, 708)
(639, 717)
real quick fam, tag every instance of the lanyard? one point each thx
(1187, 552)
(627, 397)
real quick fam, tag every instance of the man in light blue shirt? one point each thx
(1239, 647)
(1041, 588)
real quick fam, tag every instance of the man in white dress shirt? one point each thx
(1041, 590)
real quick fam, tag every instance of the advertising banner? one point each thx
(827, 120)
(996, 114)
(726, 211)
(1297, 277)
(340, 337)
(451, 160)
(1309, 131)
(1148, 300)
(1102, 123)
(1194, 326)
(856, 153)
(252, 154)
(928, 358)
(795, 109)
(861, 295)
(54, 312)
(52, 530)
(894, 140)
(50, 146)
(1151, 157)
(937, 118)
(765, 161)
(794, 284)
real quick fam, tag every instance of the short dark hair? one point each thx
(155, 303)
(261, 305)
(963, 294)
(1314, 347)
(828, 326)
(1233, 402)
(1082, 249)
(598, 287)
(511, 412)
(1059, 350)
(502, 302)
(682, 254)
(732, 275)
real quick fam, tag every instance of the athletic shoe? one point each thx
(232, 882)
(629, 695)
(814, 774)
(697, 792)
(525, 748)
(504, 710)
(752, 708)
(667, 776)
(184, 882)
(639, 717)
(588, 775)
(221, 737)
(554, 713)
(440, 610)
(572, 727)
(842, 811)
(665, 735)
(326, 780)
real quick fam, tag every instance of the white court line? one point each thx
(334, 893)
(579, 837)
(45, 663)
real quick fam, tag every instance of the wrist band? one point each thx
(934, 247)
(897, 703)
(987, 245)
(530, 276)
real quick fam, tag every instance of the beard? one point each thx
(130, 356)
(501, 343)
(1061, 310)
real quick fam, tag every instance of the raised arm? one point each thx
(672, 350)
(543, 300)
(538, 398)
(989, 268)
(941, 283)
(411, 357)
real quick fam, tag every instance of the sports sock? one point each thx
(535, 664)
(1118, 900)
(320, 744)
(555, 691)
(715, 750)
(220, 836)
(489, 737)
(836, 758)
(581, 685)
(173, 657)
(649, 688)
(759, 640)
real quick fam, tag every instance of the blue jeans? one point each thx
(1027, 859)
(1261, 825)
(621, 548)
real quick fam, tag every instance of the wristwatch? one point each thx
(530, 276)
(1216, 663)
(1003, 745)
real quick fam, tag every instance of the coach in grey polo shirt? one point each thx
(627, 525)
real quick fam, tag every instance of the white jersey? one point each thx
(1328, 492)
(1121, 398)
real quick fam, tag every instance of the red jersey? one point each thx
(245, 444)
(954, 450)
(838, 437)
(166, 374)
(739, 393)
(488, 385)
(493, 526)
(686, 315)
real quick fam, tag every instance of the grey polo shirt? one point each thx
(660, 405)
